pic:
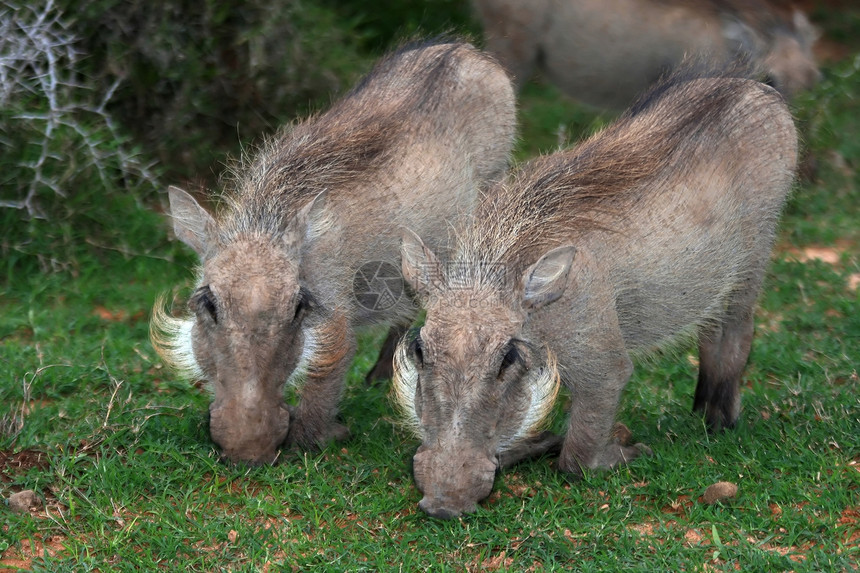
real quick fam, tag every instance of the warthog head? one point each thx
(790, 64)
(245, 333)
(781, 47)
(468, 382)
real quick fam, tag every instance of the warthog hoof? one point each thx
(315, 436)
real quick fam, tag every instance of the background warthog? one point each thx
(409, 146)
(604, 52)
(657, 227)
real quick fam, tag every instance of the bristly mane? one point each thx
(594, 185)
(336, 150)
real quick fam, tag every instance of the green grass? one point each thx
(130, 480)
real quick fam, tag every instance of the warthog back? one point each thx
(605, 52)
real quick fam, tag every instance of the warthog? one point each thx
(604, 52)
(409, 146)
(658, 227)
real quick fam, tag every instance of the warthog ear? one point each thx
(310, 222)
(809, 33)
(544, 281)
(742, 38)
(420, 267)
(192, 224)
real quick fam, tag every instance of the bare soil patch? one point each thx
(20, 462)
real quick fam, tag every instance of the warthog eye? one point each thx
(511, 357)
(303, 304)
(204, 300)
(416, 347)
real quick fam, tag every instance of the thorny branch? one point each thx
(38, 61)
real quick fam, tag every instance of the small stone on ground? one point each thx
(719, 491)
(23, 501)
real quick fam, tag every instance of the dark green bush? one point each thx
(201, 78)
(67, 168)
(103, 102)
(381, 23)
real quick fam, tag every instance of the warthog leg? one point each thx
(314, 419)
(600, 369)
(723, 353)
(543, 443)
(383, 369)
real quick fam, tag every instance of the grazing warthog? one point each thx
(409, 146)
(604, 52)
(658, 227)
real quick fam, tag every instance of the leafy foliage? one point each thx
(95, 94)
(383, 23)
(65, 161)
(201, 78)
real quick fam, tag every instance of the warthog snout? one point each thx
(453, 482)
(248, 434)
